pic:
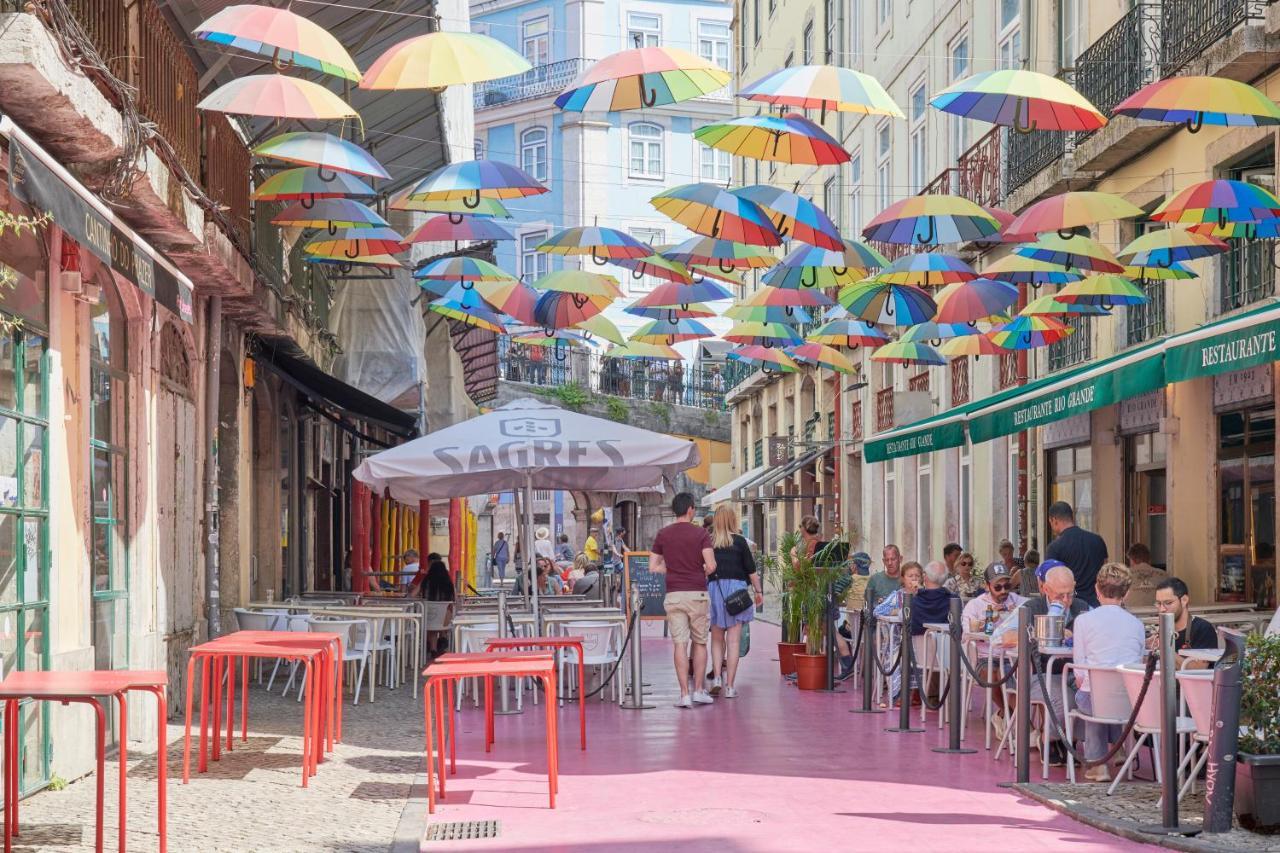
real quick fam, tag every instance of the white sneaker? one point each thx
(684, 702)
(731, 693)
(716, 684)
(1000, 725)
(702, 697)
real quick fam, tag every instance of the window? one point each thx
(533, 152)
(831, 199)
(831, 32)
(1246, 273)
(890, 511)
(959, 70)
(478, 147)
(742, 41)
(109, 462)
(535, 40)
(806, 45)
(884, 13)
(644, 30)
(714, 165)
(1009, 52)
(924, 507)
(533, 264)
(713, 42)
(963, 531)
(646, 150)
(1071, 32)
(884, 166)
(755, 19)
(1071, 480)
(855, 192)
(1075, 348)
(918, 144)
(1146, 321)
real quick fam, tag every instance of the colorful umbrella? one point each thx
(821, 355)
(931, 331)
(667, 332)
(763, 334)
(455, 209)
(782, 139)
(771, 359)
(638, 349)
(1066, 211)
(345, 264)
(1003, 219)
(658, 267)
(511, 297)
(828, 88)
(928, 269)
(888, 304)
(689, 311)
(352, 243)
(974, 345)
(602, 244)
(1104, 290)
(1049, 305)
(329, 213)
(1166, 246)
(440, 59)
(1197, 101)
(930, 220)
(1074, 253)
(481, 318)
(789, 314)
(557, 341)
(794, 216)
(810, 266)
(462, 268)
(472, 180)
(306, 184)
(276, 96)
(323, 150)
(675, 294)
(442, 228)
(971, 301)
(559, 310)
(602, 327)
(725, 255)
(285, 36)
(1016, 269)
(847, 332)
(1219, 201)
(908, 352)
(787, 297)
(1023, 100)
(1268, 229)
(642, 77)
(1173, 272)
(715, 212)
(1029, 332)
(580, 283)
(702, 271)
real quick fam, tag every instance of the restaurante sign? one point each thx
(1237, 349)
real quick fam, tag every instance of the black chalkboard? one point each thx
(652, 587)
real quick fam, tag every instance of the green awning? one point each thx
(1237, 343)
(935, 433)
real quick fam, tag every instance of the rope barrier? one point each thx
(981, 682)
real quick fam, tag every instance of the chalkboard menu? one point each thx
(652, 587)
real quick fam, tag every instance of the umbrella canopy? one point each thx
(602, 327)
(465, 306)
(794, 216)
(351, 243)
(688, 311)
(888, 304)
(701, 271)
(276, 96)
(828, 88)
(1049, 305)
(1103, 290)
(782, 139)
(1173, 272)
(1023, 100)
(440, 59)
(657, 266)
(330, 214)
(908, 352)
(344, 263)
(455, 208)
(931, 220)
(557, 339)
(1197, 101)
(560, 310)
(640, 78)
(763, 334)
(821, 355)
(1074, 253)
(790, 314)
(931, 331)
(971, 301)
(715, 212)
(725, 255)
(511, 297)
(674, 294)
(1017, 269)
(847, 333)
(810, 266)
(1066, 211)
(638, 349)
(323, 150)
(442, 228)
(1219, 201)
(1166, 246)
(772, 359)
(663, 331)
(926, 269)
(285, 36)
(974, 345)
(1029, 332)
(778, 297)
(1265, 229)
(580, 283)
(462, 268)
(471, 180)
(307, 184)
(602, 244)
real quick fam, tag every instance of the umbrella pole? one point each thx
(529, 553)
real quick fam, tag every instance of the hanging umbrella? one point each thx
(330, 214)
(602, 244)
(1023, 100)
(462, 268)
(1105, 290)
(794, 216)
(810, 266)
(657, 266)
(1265, 229)
(580, 283)
(715, 212)
(1166, 246)
(929, 269)
(1173, 272)
(1029, 332)
(455, 209)
(778, 297)
(351, 243)
(791, 139)
(1197, 101)
(324, 151)
(971, 301)
(306, 184)
(770, 359)
(828, 88)
(1074, 253)
(931, 220)
(559, 310)
(673, 294)
(1003, 220)
(440, 59)
(285, 36)
(933, 332)
(820, 355)
(1017, 269)
(276, 96)
(642, 77)
(668, 332)
(511, 297)
(763, 334)
(472, 180)
(557, 341)
(687, 311)
(1219, 201)
(888, 304)
(974, 345)
(638, 349)
(1066, 211)
(1049, 305)
(602, 327)
(847, 333)
(788, 314)
(442, 228)
(725, 255)
(703, 271)
(466, 306)
(345, 263)
(908, 352)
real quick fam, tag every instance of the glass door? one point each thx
(1247, 507)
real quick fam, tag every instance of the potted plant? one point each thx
(792, 618)
(1258, 767)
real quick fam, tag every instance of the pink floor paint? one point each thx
(774, 769)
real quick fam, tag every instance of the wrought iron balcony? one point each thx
(884, 409)
(1190, 27)
(855, 421)
(541, 81)
(1122, 60)
(947, 183)
(959, 368)
(981, 178)
(1031, 152)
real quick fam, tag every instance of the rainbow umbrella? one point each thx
(345, 264)
(642, 77)
(888, 304)
(847, 332)
(794, 216)
(1023, 100)
(601, 327)
(669, 332)
(442, 228)
(810, 266)
(789, 139)
(455, 209)
(1105, 290)
(352, 243)
(930, 220)
(715, 212)
(828, 88)
(658, 267)
(602, 244)
(971, 301)
(703, 271)
(510, 296)
(1166, 246)
(472, 180)
(689, 311)
(725, 255)
(1016, 269)
(1050, 305)
(556, 341)
(974, 345)
(1029, 332)
(1219, 201)
(908, 352)
(276, 96)
(330, 214)
(1075, 253)
(931, 331)
(928, 269)
(323, 150)
(1263, 229)
(306, 184)
(763, 334)
(479, 317)
(559, 310)
(1066, 211)
(789, 314)
(792, 297)
(1173, 272)
(462, 268)
(821, 355)
(1003, 219)
(440, 59)
(675, 294)
(771, 359)
(1197, 101)
(580, 283)
(285, 36)
(638, 349)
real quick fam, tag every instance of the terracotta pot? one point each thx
(811, 671)
(786, 659)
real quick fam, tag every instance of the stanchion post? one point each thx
(955, 681)
(904, 671)
(636, 702)
(1024, 695)
(1220, 772)
(867, 625)
(502, 633)
(829, 639)
(1168, 756)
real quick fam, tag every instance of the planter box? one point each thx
(1258, 789)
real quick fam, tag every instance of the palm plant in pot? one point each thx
(792, 618)
(1258, 770)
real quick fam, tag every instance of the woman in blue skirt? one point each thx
(735, 570)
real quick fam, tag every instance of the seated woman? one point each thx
(891, 605)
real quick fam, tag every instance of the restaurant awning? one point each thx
(777, 475)
(1235, 343)
(725, 492)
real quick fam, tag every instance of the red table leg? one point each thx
(231, 701)
(244, 699)
(452, 732)
(551, 737)
(206, 665)
(124, 767)
(102, 764)
(427, 692)
(582, 696)
(307, 722)
(162, 766)
(186, 741)
(440, 712)
(219, 666)
(10, 773)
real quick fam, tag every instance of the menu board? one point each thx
(652, 587)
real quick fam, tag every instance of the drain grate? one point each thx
(462, 830)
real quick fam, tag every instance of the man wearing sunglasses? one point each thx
(999, 598)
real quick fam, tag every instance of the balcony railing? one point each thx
(1073, 349)
(1029, 153)
(226, 168)
(919, 382)
(168, 87)
(538, 82)
(855, 421)
(1009, 374)
(1121, 61)
(884, 409)
(947, 183)
(981, 178)
(959, 380)
(1190, 27)
(658, 381)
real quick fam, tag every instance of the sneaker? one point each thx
(1057, 754)
(702, 697)
(1000, 725)
(716, 685)
(731, 692)
(1098, 774)
(684, 702)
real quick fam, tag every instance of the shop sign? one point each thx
(1238, 349)
(1142, 413)
(1073, 430)
(923, 440)
(1242, 386)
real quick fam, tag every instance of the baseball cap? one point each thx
(1043, 568)
(862, 560)
(997, 570)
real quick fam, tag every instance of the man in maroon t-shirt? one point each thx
(682, 551)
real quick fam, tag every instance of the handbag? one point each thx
(738, 601)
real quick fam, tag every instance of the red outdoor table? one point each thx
(495, 643)
(89, 687)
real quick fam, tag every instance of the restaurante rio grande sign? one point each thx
(1224, 352)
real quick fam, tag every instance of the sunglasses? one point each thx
(1000, 587)
(966, 562)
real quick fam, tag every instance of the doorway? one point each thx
(1146, 495)
(1246, 507)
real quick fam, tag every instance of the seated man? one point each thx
(1172, 596)
(999, 599)
(1146, 577)
(589, 583)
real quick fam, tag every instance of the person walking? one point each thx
(682, 552)
(735, 572)
(501, 555)
(1080, 550)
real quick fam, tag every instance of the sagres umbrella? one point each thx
(1067, 211)
(325, 151)
(713, 211)
(469, 181)
(770, 359)
(638, 349)
(602, 244)
(725, 255)
(1016, 269)
(1197, 101)
(794, 216)
(781, 139)
(657, 266)
(971, 301)
(276, 96)
(664, 331)
(642, 77)
(1219, 201)
(1029, 332)
(763, 334)
(306, 184)
(810, 266)
(351, 243)
(931, 220)
(908, 352)
(820, 355)
(928, 269)
(330, 214)
(1074, 253)
(284, 36)
(511, 297)
(442, 229)
(440, 59)
(1104, 290)
(1049, 305)
(828, 88)
(559, 310)
(888, 304)
(847, 332)
(1166, 246)
(974, 345)
(1020, 99)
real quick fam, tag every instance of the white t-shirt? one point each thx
(1106, 636)
(542, 548)
(977, 608)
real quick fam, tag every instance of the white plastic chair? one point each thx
(601, 646)
(352, 651)
(288, 622)
(1147, 723)
(1108, 700)
(1197, 693)
(474, 638)
(259, 620)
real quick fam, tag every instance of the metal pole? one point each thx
(1024, 696)
(955, 682)
(829, 639)
(867, 625)
(904, 671)
(529, 554)
(1168, 757)
(502, 633)
(1220, 775)
(636, 700)
(213, 382)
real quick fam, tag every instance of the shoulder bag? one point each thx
(738, 601)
